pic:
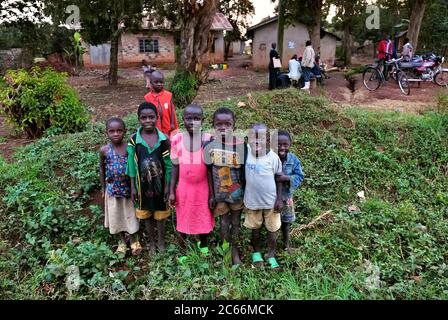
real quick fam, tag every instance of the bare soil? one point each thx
(105, 101)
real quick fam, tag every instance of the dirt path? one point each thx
(239, 79)
(388, 97)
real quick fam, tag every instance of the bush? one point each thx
(39, 99)
(184, 87)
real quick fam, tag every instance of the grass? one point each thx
(392, 246)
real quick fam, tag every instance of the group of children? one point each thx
(201, 175)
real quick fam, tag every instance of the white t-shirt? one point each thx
(294, 69)
(261, 191)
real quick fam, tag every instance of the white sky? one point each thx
(263, 8)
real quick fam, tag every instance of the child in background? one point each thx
(262, 196)
(189, 173)
(149, 167)
(118, 208)
(225, 156)
(291, 179)
(163, 100)
(147, 70)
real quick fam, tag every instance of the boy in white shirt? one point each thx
(262, 196)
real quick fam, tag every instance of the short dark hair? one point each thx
(406, 40)
(224, 110)
(284, 133)
(294, 57)
(194, 105)
(146, 105)
(308, 43)
(115, 119)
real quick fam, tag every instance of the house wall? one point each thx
(237, 47)
(218, 55)
(328, 50)
(128, 52)
(293, 43)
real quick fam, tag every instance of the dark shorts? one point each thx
(287, 214)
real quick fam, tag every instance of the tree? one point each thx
(194, 19)
(281, 26)
(435, 27)
(346, 12)
(236, 11)
(308, 12)
(417, 13)
(101, 21)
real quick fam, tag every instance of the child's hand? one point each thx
(133, 195)
(167, 192)
(278, 204)
(172, 200)
(283, 178)
(211, 202)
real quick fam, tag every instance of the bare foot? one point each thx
(236, 257)
(152, 247)
(161, 246)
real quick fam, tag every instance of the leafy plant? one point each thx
(39, 99)
(184, 87)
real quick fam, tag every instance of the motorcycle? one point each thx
(426, 68)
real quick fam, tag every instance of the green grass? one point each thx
(394, 247)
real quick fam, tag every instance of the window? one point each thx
(147, 45)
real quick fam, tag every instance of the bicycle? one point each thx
(373, 76)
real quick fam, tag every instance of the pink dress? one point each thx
(193, 215)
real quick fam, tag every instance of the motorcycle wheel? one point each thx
(403, 83)
(371, 79)
(441, 78)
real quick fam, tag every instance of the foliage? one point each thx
(392, 245)
(41, 39)
(434, 27)
(237, 13)
(37, 100)
(184, 87)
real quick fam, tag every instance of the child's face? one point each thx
(223, 124)
(157, 81)
(259, 140)
(283, 146)
(115, 132)
(193, 119)
(148, 119)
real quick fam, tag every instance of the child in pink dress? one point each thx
(189, 189)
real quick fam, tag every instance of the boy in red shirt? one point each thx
(163, 100)
(385, 51)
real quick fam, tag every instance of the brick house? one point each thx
(155, 43)
(295, 36)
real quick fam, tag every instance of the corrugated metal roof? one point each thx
(220, 22)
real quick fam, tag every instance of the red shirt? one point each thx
(382, 47)
(167, 120)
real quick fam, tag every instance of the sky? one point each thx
(263, 8)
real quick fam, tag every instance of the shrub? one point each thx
(184, 88)
(39, 99)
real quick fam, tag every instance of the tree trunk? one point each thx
(314, 28)
(113, 65)
(196, 39)
(415, 22)
(347, 45)
(281, 27)
(348, 22)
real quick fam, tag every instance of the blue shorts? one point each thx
(287, 214)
